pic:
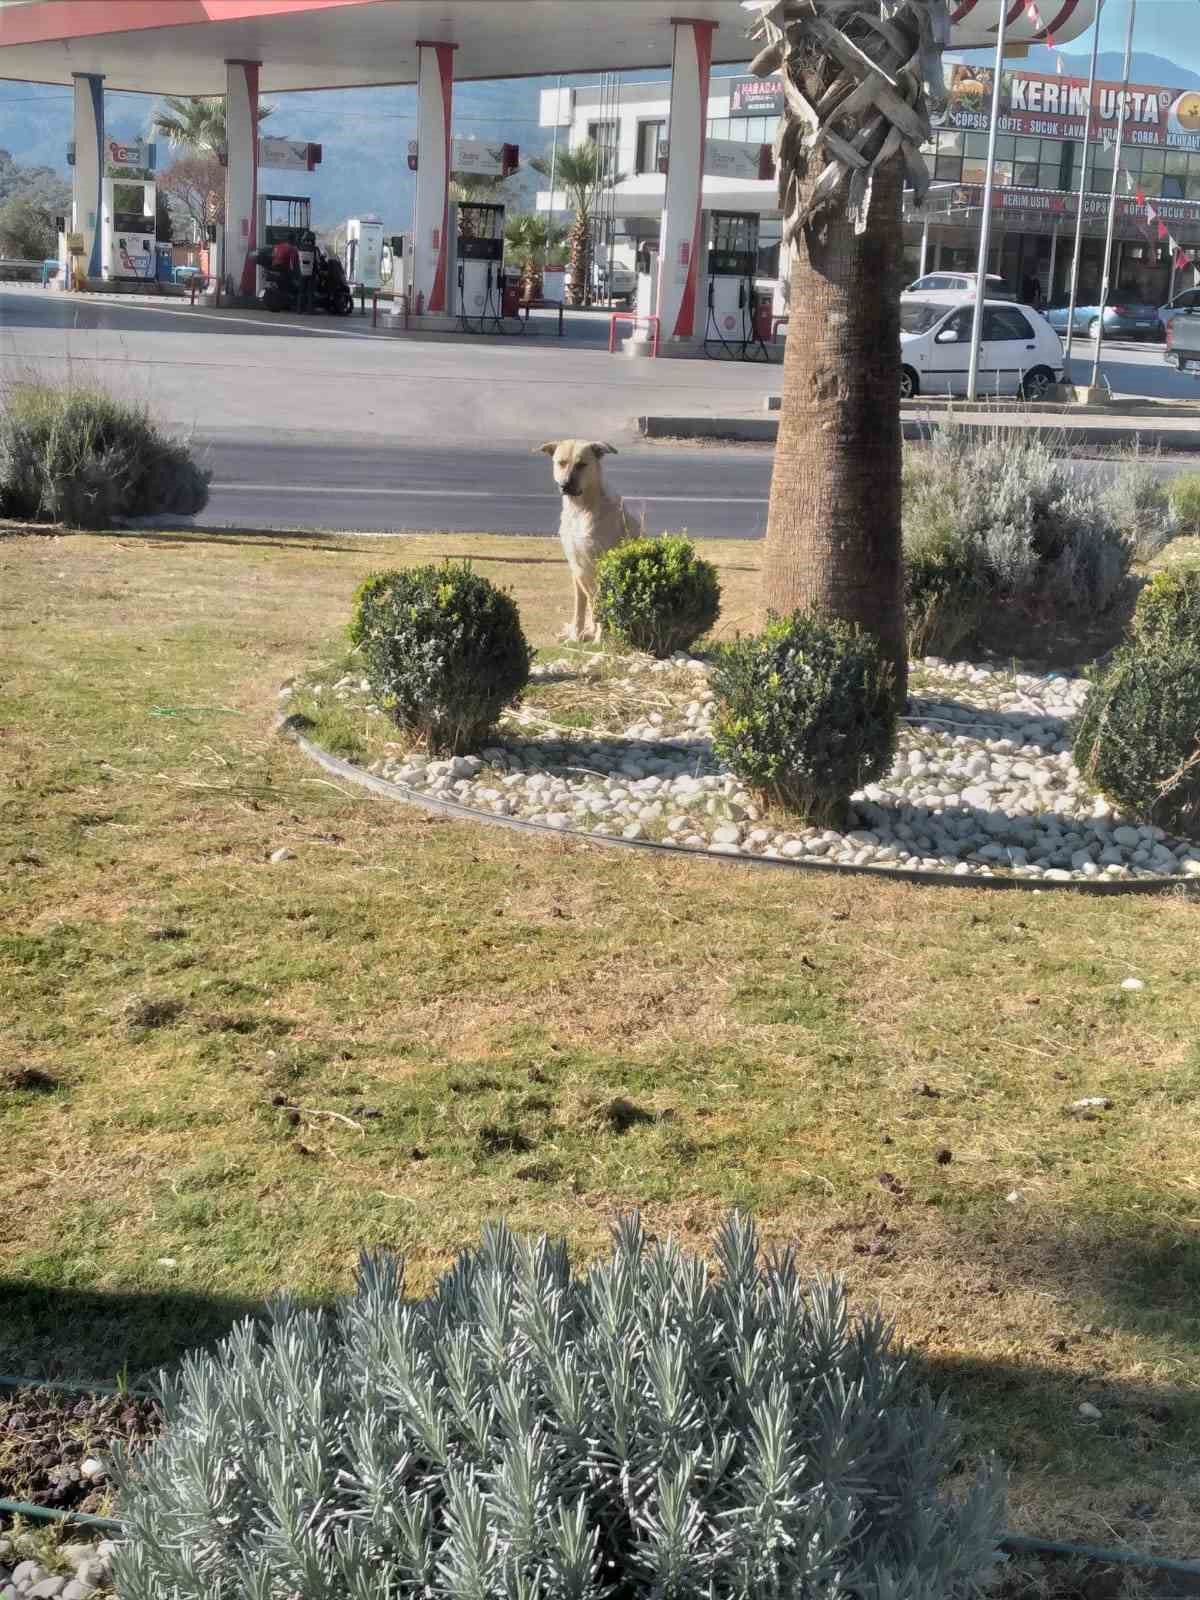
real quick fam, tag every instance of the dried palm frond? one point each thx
(859, 82)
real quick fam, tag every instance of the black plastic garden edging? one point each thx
(288, 727)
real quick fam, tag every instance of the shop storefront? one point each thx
(1039, 152)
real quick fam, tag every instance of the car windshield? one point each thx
(918, 316)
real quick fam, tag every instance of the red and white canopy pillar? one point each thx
(679, 241)
(87, 176)
(435, 99)
(241, 175)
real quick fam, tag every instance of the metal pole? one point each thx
(985, 226)
(1083, 170)
(554, 146)
(1112, 197)
(921, 268)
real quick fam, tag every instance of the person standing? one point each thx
(285, 259)
(307, 267)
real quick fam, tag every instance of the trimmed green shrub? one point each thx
(443, 650)
(84, 459)
(1185, 502)
(1139, 503)
(657, 595)
(1138, 740)
(641, 1430)
(805, 714)
(369, 604)
(1167, 615)
(946, 592)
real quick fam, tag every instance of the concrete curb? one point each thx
(764, 430)
(287, 727)
(1130, 409)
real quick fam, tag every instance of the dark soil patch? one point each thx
(45, 1434)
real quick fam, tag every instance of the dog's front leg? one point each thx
(575, 631)
(591, 628)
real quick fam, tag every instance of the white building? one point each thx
(630, 119)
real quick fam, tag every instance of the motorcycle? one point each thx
(331, 290)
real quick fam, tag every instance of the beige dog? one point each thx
(592, 522)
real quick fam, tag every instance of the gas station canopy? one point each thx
(181, 46)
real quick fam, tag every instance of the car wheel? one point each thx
(1094, 328)
(909, 387)
(1036, 383)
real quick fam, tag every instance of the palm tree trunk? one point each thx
(580, 251)
(833, 526)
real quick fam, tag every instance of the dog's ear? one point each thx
(605, 449)
(547, 449)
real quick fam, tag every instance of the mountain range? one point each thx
(364, 133)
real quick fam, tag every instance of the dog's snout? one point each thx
(570, 485)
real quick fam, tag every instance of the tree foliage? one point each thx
(537, 243)
(40, 184)
(30, 199)
(197, 122)
(195, 188)
(27, 231)
(584, 172)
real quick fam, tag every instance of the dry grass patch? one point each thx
(805, 1046)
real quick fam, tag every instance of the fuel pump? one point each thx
(477, 235)
(730, 332)
(129, 231)
(281, 216)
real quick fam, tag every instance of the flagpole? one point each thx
(985, 227)
(1112, 198)
(1087, 145)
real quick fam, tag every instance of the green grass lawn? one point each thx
(222, 1076)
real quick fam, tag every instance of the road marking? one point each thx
(474, 494)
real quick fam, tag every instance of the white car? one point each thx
(1019, 352)
(960, 283)
(614, 282)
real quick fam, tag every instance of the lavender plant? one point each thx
(642, 1428)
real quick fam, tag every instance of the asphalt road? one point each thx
(711, 493)
(344, 484)
(316, 423)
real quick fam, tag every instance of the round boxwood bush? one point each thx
(643, 1429)
(657, 595)
(805, 714)
(443, 650)
(1167, 614)
(947, 589)
(1138, 740)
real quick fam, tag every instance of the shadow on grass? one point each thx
(302, 539)
(97, 1335)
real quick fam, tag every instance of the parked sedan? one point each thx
(1018, 353)
(960, 283)
(1123, 319)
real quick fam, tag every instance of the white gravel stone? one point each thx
(982, 782)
